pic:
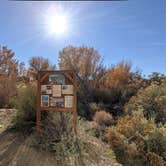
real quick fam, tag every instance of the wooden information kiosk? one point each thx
(56, 91)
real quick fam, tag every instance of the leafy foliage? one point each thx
(86, 63)
(135, 110)
(8, 76)
(155, 160)
(137, 141)
(38, 63)
(25, 103)
(117, 77)
(152, 101)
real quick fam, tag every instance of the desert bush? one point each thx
(116, 140)
(157, 78)
(57, 135)
(137, 141)
(126, 153)
(103, 118)
(130, 125)
(94, 107)
(99, 132)
(152, 101)
(154, 160)
(162, 129)
(25, 103)
(156, 142)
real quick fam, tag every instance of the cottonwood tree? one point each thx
(85, 61)
(116, 77)
(114, 85)
(22, 73)
(38, 63)
(87, 65)
(8, 65)
(8, 75)
(21, 69)
(120, 84)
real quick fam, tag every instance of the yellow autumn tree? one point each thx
(116, 77)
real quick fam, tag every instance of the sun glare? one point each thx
(56, 21)
(57, 24)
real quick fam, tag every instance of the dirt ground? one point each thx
(16, 149)
(5, 118)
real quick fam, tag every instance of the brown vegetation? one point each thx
(102, 117)
(133, 120)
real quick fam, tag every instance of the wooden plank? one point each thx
(38, 113)
(73, 80)
(56, 71)
(75, 106)
(57, 109)
(42, 79)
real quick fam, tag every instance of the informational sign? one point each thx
(68, 101)
(56, 92)
(67, 89)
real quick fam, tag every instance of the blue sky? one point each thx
(133, 30)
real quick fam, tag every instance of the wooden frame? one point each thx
(70, 76)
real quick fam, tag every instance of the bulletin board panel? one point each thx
(56, 91)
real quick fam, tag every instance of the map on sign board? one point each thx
(57, 78)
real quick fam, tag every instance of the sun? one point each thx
(57, 24)
(56, 21)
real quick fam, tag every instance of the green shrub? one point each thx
(83, 110)
(25, 103)
(94, 107)
(152, 101)
(156, 142)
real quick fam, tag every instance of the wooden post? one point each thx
(38, 112)
(75, 105)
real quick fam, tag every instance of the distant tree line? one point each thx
(110, 87)
(126, 110)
